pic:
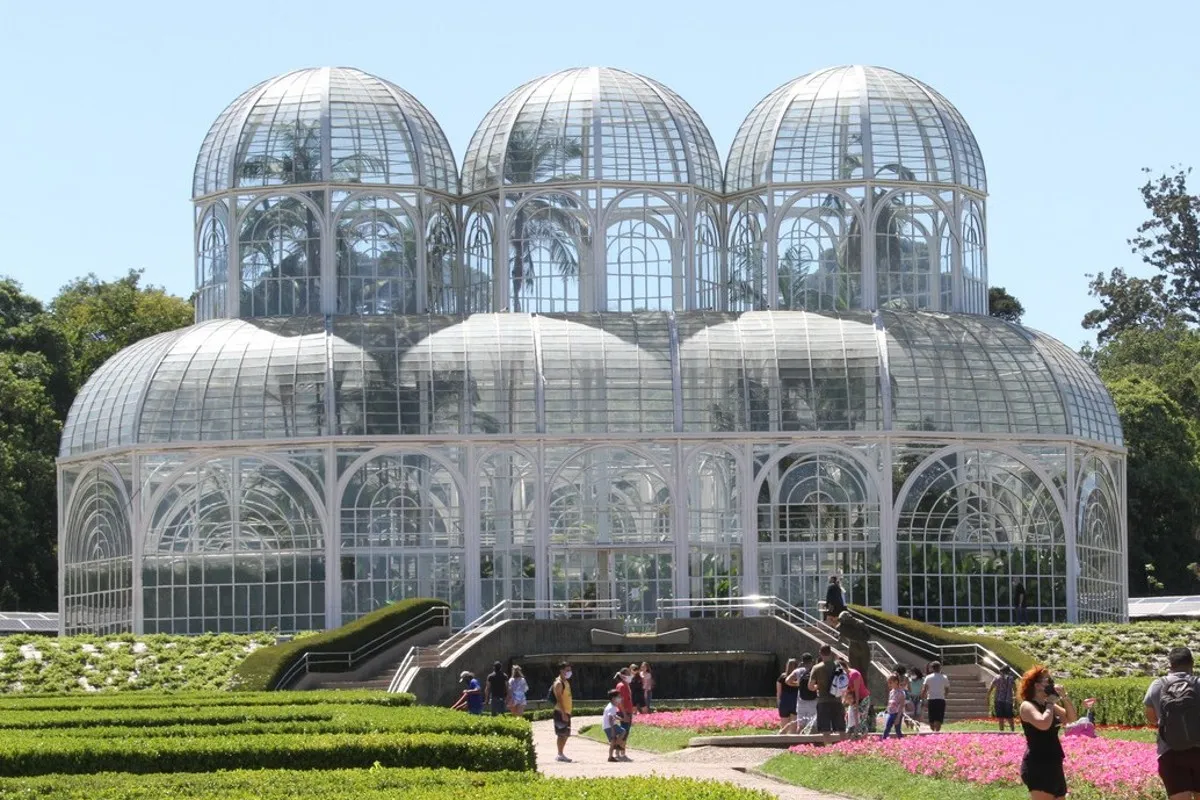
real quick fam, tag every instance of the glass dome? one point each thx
(591, 124)
(701, 372)
(854, 122)
(324, 125)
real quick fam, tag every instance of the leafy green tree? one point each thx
(29, 430)
(1168, 355)
(99, 318)
(1169, 243)
(1003, 305)
(1163, 478)
(26, 328)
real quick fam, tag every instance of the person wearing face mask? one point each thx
(622, 680)
(1044, 709)
(561, 689)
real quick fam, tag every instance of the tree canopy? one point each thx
(1003, 305)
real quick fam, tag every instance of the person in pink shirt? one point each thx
(857, 699)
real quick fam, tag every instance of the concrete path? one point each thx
(589, 759)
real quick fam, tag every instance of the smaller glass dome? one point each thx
(325, 125)
(850, 124)
(594, 124)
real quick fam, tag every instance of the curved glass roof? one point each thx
(228, 380)
(850, 124)
(325, 125)
(594, 124)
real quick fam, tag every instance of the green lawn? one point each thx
(877, 779)
(664, 740)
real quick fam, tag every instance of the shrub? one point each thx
(370, 784)
(1017, 658)
(263, 668)
(75, 755)
(1118, 700)
(180, 700)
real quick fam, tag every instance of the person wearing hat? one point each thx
(472, 697)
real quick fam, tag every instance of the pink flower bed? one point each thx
(713, 719)
(1117, 768)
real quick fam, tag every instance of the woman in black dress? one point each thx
(785, 695)
(637, 688)
(1044, 709)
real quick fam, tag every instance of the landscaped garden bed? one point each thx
(966, 765)
(665, 731)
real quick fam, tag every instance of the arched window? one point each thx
(98, 557)
(643, 255)
(479, 259)
(747, 285)
(974, 255)
(212, 264)
(442, 289)
(820, 255)
(280, 246)
(549, 244)
(376, 258)
(907, 250)
(710, 286)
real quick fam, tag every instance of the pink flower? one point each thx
(714, 719)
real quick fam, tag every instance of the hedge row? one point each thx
(181, 700)
(1118, 700)
(77, 755)
(258, 721)
(1017, 658)
(262, 669)
(371, 784)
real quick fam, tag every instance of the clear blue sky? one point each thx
(105, 105)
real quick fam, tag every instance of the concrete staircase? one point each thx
(968, 695)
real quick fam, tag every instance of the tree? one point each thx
(29, 430)
(1003, 305)
(1169, 242)
(1163, 479)
(99, 318)
(1168, 355)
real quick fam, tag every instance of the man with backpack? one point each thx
(1173, 704)
(829, 682)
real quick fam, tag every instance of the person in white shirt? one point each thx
(934, 692)
(611, 723)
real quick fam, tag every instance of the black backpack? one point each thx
(1179, 717)
(805, 692)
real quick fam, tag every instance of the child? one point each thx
(611, 723)
(895, 707)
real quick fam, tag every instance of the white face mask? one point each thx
(627, 678)
(567, 674)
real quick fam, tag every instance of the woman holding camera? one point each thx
(1044, 709)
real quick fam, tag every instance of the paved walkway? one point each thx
(590, 760)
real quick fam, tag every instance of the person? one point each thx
(637, 687)
(495, 693)
(857, 699)
(1172, 702)
(895, 707)
(835, 602)
(518, 691)
(472, 697)
(561, 689)
(1020, 603)
(831, 717)
(611, 723)
(1000, 695)
(915, 686)
(786, 693)
(934, 692)
(623, 679)
(647, 687)
(1044, 708)
(806, 698)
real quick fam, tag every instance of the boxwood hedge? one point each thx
(262, 669)
(369, 784)
(74, 755)
(180, 700)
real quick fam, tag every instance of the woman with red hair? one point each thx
(1044, 709)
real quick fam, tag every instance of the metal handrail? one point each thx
(772, 605)
(350, 660)
(979, 654)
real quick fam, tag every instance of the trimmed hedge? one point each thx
(155, 723)
(262, 669)
(183, 700)
(1015, 656)
(75, 755)
(370, 784)
(1118, 700)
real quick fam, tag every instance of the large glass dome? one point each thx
(591, 124)
(850, 123)
(324, 125)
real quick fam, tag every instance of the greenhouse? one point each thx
(594, 366)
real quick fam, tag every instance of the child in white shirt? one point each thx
(895, 707)
(614, 731)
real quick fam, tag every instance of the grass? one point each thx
(1100, 650)
(37, 664)
(664, 740)
(877, 779)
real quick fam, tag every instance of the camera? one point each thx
(1050, 688)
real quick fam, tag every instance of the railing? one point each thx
(961, 653)
(435, 655)
(349, 661)
(738, 606)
